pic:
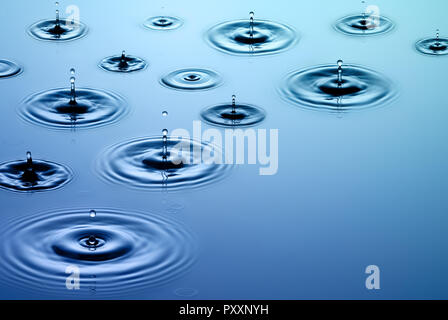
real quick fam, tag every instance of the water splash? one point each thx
(163, 23)
(9, 69)
(337, 88)
(437, 46)
(192, 79)
(57, 29)
(31, 175)
(252, 37)
(156, 163)
(361, 25)
(73, 107)
(118, 253)
(123, 63)
(233, 114)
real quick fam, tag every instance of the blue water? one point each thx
(365, 188)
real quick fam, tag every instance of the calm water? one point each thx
(352, 190)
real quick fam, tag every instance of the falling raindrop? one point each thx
(92, 214)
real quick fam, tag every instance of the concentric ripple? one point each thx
(93, 108)
(41, 176)
(9, 69)
(51, 30)
(433, 46)
(125, 64)
(318, 88)
(192, 79)
(228, 115)
(115, 253)
(141, 164)
(362, 25)
(163, 23)
(267, 37)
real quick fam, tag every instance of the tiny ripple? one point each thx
(9, 69)
(163, 23)
(192, 79)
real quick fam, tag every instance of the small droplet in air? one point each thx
(92, 214)
(165, 113)
(72, 87)
(57, 12)
(251, 18)
(437, 35)
(165, 144)
(29, 159)
(340, 62)
(234, 104)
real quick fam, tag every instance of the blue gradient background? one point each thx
(367, 188)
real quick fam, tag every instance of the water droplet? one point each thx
(92, 241)
(92, 214)
(437, 35)
(72, 87)
(165, 113)
(29, 159)
(234, 104)
(340, 62)
(165, 132)
(57, 13)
